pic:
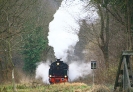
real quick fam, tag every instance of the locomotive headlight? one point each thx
(58, 63)
(50, 76)
(65, 76)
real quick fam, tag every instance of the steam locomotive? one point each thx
(58, 72)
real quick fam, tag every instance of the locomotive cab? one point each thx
(58, 72)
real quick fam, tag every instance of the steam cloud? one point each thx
(76, 71)
(42, 72)
(63, 36)
(64, 29)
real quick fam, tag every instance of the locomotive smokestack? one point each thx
(58, 60)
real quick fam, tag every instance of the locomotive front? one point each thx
(58, 72)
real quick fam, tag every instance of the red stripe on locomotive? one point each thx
(58, 79)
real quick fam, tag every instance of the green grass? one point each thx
(63, 87)
(35, 87)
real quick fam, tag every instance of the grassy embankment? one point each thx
(63, 87)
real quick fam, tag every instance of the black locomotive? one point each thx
(58, 72)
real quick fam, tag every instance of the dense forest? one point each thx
(24, 30)
(23, 35)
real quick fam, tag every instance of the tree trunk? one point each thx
(129, 33)
(2, 78)
(106, 57)
(102, 24)
(104, 35)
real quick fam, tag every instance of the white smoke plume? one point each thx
(63, 36)
(42, 71)
(78, 70)
(64, 29)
